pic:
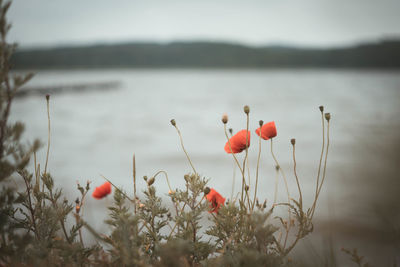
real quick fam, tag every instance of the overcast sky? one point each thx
(254, 22)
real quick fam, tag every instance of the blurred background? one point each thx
(119, 72)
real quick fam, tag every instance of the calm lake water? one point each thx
(97, 132)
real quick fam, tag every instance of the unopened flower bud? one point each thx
(47, 97)
(246, 109)
(277, 167)
(261, 122)
(293, 141)
(327, 116)
(150, 181)
(173, 122)
(265, 204)
(207, 190)
(230, 130)
(77, 200)
(321, 108)
(145, 178)
(77, 208)
(225, 118)
(247, 188)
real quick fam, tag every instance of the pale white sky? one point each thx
(254, 22)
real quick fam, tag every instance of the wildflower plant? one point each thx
(39, 225)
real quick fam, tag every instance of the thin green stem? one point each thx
(324, 171)
(184, 150)
(276, 183)
(297, 179)
(134, 181)
(258, 165)
(48, 134)
(116, 188)
(322, 153)
(236, 160)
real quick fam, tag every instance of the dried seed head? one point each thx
(327, 116)
(246, 109)
(230, 130)
(321, 108)
(173, 122)
(207, 190)
(261, 122)
(77, 200)
(47, 97)
(277, 167)
(145, 178)
(225, 118)
(186, 177)
(150, 181)
(293, 141)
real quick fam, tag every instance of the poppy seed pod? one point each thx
(225, 118)
(246, 109)
(150, 181)
(47, 97)
(293, 141)
(207, 190)
(327, 116)
(261, 122)
(321, 108)
(173, 122)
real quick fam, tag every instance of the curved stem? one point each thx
(184, 150)
(258, 165)
(280, 169)
(236, 160)
(48, 135)
(324, 172)
(166, 176)
(297, 179)
(322, 153)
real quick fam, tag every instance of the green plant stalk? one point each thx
(297, 179)
(324, 172)
(134, 182)
(48, 135)
(245, 159)
(184, 150)
(258, 165)
(322, 153)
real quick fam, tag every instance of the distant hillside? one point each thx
(385, 54)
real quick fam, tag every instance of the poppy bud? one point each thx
(277, 167)
(327, 116)
(150, 181)
(265, 204)
(247, 188)
(173, 122)
(47, 97)
(293, 141)
(206, 190)
(77, 208)
(145, 178)
(225, 118)
(261, 122)
(321, 108)
(246, 109)
(230, 131)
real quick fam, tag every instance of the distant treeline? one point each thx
(384, 54)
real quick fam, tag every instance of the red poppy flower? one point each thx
(238, 142)
(102, 191)
(215, 199)
(268, 130)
